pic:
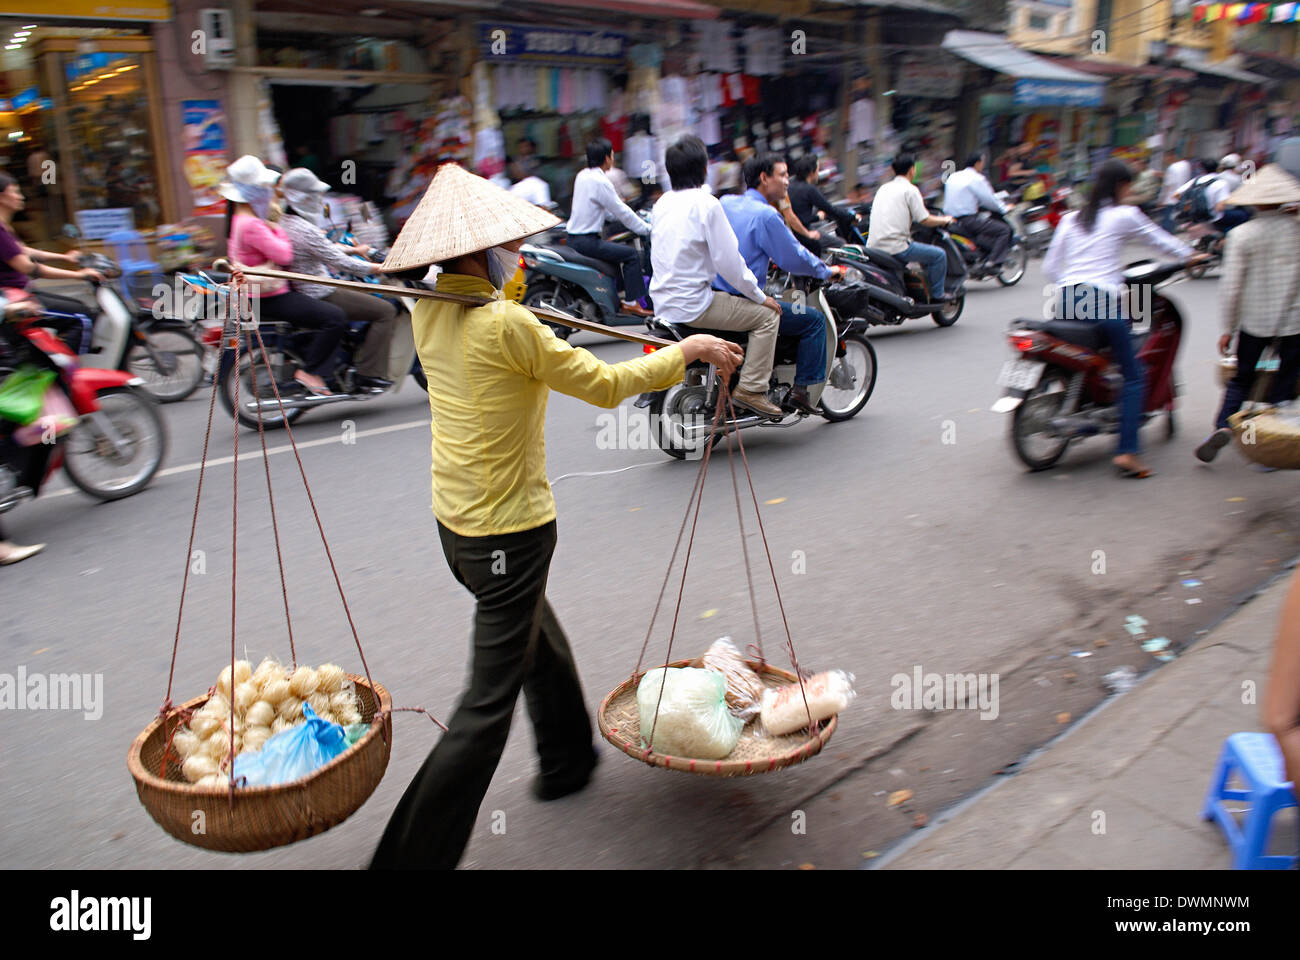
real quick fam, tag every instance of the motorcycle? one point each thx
(1203, 238)
(113, 449)
(1061, 386)
(285, 346)
(682, 417)
(161, 350)
(899, 291)
(1037, 219)
(1012, 268)
(558, 277)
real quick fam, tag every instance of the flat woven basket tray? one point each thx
(1276, 440)
(263, 817)
(620, 724)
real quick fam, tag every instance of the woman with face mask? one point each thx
(255, 241)
(313, 252)
(490, 370)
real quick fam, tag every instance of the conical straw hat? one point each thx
(1271, 184)
(459, 214)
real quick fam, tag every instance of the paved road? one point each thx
(947, 556)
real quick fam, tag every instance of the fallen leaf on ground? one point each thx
(870, 854)
(919, 821)
(774, 500)
(1103, 642)
(899, 796)
(806, 866)
(708, 613)
(1062, 718)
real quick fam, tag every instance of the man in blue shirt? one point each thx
(965, 193)
(764, 237)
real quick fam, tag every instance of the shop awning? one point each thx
(1110, 68)
(1223, 69)
(1039, 81)
(1275, 65)
(642, 8)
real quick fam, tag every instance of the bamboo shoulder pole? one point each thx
(543, 313)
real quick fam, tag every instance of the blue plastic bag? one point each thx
(291, 754)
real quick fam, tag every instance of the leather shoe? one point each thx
(636, 310)
(800, 400)
(13, 552)
(758, 403)
(373, 384)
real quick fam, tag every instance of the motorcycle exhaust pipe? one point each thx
(901, 304)
(296, 403)
(694, 430)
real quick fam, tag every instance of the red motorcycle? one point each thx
(112, 440)
(1062, 385)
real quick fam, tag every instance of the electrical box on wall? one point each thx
(217, 30)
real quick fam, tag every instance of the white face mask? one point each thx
(501, 266)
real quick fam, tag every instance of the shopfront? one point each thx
(80, 117)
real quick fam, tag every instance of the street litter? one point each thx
(1192, 582)
(1121, 680)
(899, 796)
(1194, 600)
(1155, 645)
(1081, 653)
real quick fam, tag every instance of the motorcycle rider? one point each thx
(806, 200)
(594, 200)
(964, 195)
(19, 264)
(692, 243)
(763, 237)
(1084, 263)
(897, 206)
(11, 552)
(313, 251)
(254, 240)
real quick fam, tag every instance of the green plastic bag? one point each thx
(23, 392)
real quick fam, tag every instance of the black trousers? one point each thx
(518, 644)
(75, 333)
(1249, 349)
(622, 254)
(300, 310)
(989, 234)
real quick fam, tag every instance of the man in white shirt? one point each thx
(1177, 173)
(966, 193)
(897, 206)
(529, 186)
(594, 200)
(692, 242)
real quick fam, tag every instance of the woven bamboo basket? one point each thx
(620, 724)
(260, 818)
(1276, 441)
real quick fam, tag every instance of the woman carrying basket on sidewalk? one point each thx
(490, 369)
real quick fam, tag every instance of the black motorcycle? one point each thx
(887, 291)
(1012, 268)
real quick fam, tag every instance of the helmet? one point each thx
(1231, 162)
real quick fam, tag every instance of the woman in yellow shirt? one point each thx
(490, 369)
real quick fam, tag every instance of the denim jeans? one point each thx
(1107, 310)
(621, 255)
(935, 262)
(810, 327)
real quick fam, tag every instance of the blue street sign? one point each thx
(1058, 93)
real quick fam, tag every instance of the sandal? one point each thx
(321, 391)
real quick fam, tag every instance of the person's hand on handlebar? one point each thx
(91, 276)
(837, 273)
(723, 354)
(1196, 258)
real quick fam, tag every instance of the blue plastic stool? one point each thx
(132, 255)
(1256, 759)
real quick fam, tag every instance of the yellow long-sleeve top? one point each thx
(490, 370)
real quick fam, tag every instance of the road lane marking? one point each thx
(257, 454)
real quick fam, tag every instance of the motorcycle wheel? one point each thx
(843, 404)
(170, 364)
(1013, 268)
(91, 460)
(418, 376)
(553, 296)
(679, 403)
(1036, 447)
(283, 368)
(948, 315)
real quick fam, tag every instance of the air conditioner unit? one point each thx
(219, 37)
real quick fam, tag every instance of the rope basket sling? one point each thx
(241, 819)
(755, 752)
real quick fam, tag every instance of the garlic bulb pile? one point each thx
(251, 706)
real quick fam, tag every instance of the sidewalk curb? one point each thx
(955, 812)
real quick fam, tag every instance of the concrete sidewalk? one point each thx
(1123, 790)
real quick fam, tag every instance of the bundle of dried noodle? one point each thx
(744, 686)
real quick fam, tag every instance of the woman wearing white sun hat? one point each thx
(255, 240)
(490, 370)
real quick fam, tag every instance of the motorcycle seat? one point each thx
(886, 260)
(1083, 333)
(573, 256)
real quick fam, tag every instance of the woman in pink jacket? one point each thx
(255, 241)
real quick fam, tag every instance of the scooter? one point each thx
(682, 417)
(1061, 386)
(1203, 238)
(558, 277)
(1012, 268)
(892, 291)
(285, 347)
(159, 349)
(114, 440)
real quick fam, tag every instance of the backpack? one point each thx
(1194, 204)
